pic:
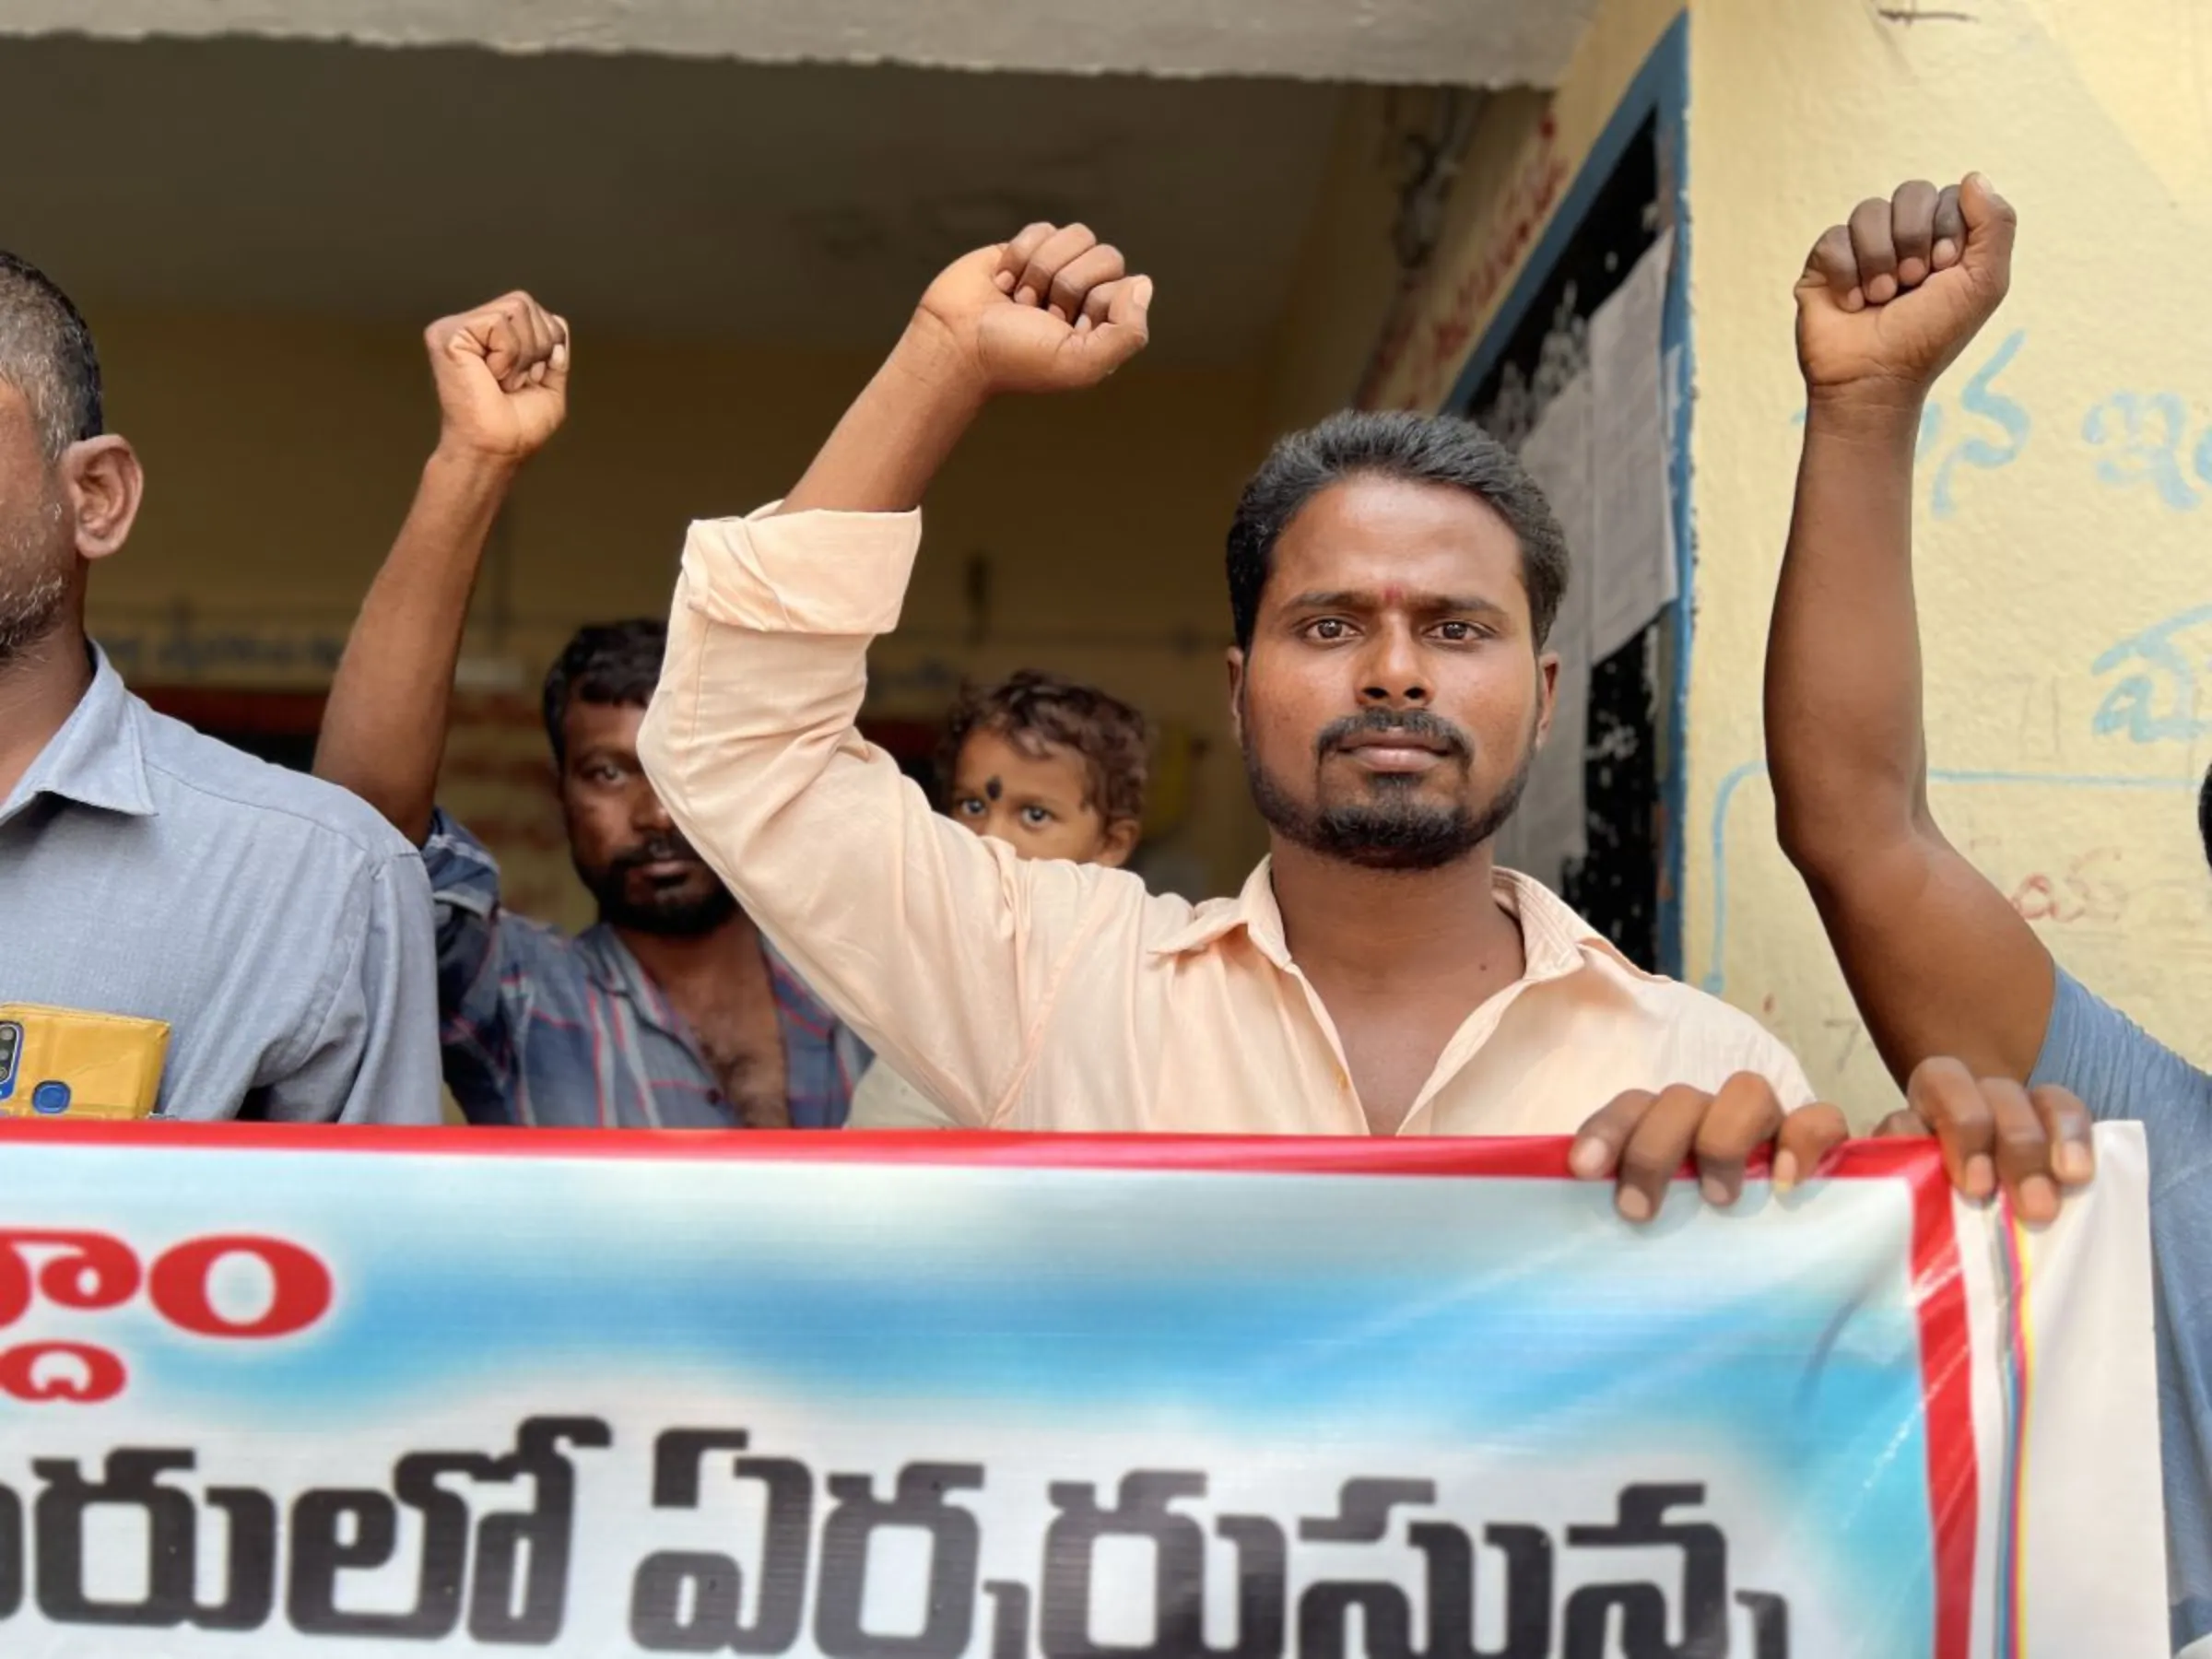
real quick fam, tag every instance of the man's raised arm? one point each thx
(939, 947)
(502, 373)
(1939, 960)
(1052, 310)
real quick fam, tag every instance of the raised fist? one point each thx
(1887, 302)
(1054, 309)
(502, 374)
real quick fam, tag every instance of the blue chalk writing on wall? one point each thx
(2156, 700)
(1931, 432)
(1980, 398)
(2143, 433)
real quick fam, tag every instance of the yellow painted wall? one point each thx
(2065, 491)
(282, 455)
(2064, 504)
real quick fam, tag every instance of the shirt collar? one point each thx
(1554, 939)
(615, 969)
(612, 967)
(1253, 909)
(98, 758)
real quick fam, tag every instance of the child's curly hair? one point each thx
(1031, 709)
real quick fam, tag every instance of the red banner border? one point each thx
(1947, 1372)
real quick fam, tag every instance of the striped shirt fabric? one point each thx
(542, 1027)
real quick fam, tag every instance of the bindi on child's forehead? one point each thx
(992, 789)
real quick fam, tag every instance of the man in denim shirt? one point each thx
(673, 1011)
(2000, 1044)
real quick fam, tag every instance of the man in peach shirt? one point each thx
(1392, 579)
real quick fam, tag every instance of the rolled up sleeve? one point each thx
(940, 949)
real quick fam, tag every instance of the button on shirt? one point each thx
(276, 924)
(1042, 994)
(2122, 1073)
(542, 1027)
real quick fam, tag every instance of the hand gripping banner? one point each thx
(361, 1392)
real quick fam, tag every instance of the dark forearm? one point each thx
(1937, 960)
(384, 730)
(1844, 738)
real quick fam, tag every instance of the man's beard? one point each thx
(34, 584)
(1392, 830)
(671, 916)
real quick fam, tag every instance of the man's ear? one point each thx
(1547, 694)
(1236, 694)
(1120, 843)
(103, 485)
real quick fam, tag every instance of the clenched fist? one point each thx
(1054, 309)
(502, 375)
(1889, 301)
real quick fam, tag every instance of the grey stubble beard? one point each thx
(33, 593)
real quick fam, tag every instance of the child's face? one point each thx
(1034, 803)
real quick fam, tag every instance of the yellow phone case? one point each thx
(66, 1063)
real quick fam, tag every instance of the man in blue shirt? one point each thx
(257, 940)
(673, 1012)
(1939, 961)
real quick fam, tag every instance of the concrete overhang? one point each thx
(1466, 42)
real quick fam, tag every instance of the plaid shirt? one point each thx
(542, 1029)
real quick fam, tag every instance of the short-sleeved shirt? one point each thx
(2122, 1073)
(547, 1029)
(278, 925)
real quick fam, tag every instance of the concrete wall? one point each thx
(2066, 474)
(1481, 43)
(282, 457)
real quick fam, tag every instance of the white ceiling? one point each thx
(802, 205)
(1472, 43)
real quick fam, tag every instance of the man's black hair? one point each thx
(1422, 448)
(2204, 816)
(609, 663)
(1031, 708)
(46, 354)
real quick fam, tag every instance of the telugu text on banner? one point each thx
(935, 1396)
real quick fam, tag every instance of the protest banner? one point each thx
(925, 1396)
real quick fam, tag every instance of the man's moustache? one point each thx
(1395, 723)
(676, 851)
